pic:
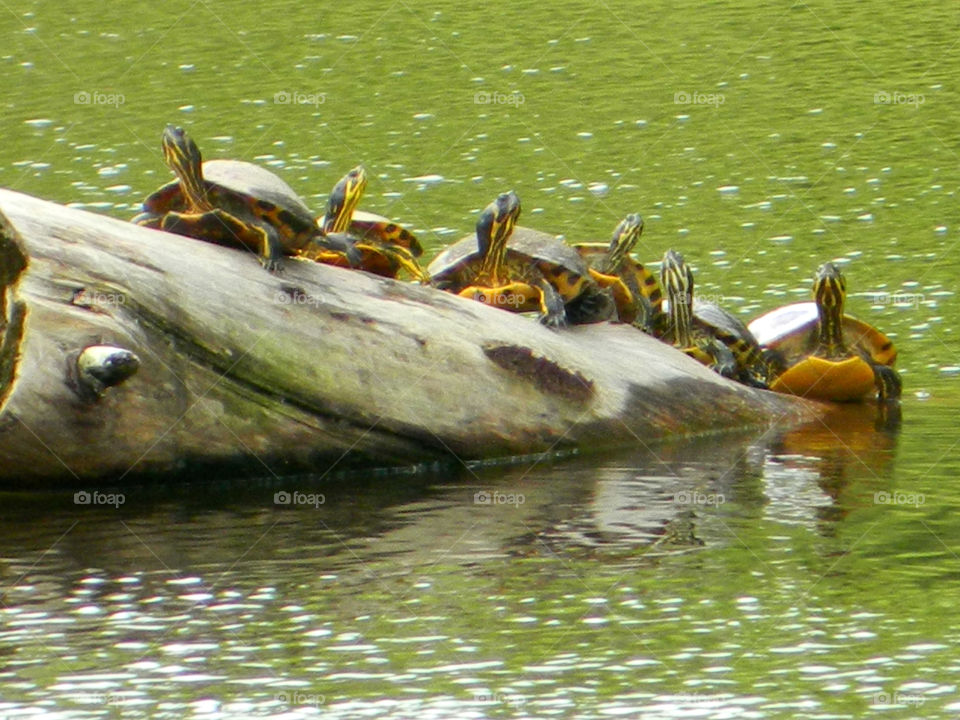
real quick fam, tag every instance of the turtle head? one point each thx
(624, 239)
(343, 200)
(830, 292)
(494, 228)
(182, 155)
(676, 278)
(829, 287)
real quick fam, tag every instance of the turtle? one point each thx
(519, 269)
(385, 247)
(705, 331)
(643, 305)
(231, 202)
(827, 355)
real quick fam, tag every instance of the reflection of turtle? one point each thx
(829, 356)
(230, 202)
(520, 269)
(678, 533)
(99, 367)
(385, 248)
(705, 331)
(637, 294)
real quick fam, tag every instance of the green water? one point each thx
(814, 132)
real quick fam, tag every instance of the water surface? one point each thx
(759, 576)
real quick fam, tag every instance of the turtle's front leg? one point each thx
(624, 298)
(220, 227)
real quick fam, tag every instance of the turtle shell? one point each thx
(454, 258)
(242, 179)
(730, 329)
(791, 330)
(840, 380)
(545, 248)
(242, 189)
(553, 256)
(367, 224)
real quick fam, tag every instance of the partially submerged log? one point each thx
(314, 369)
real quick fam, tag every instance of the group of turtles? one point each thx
(810, 348)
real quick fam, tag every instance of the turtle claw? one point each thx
(272, 265)
(553, 321)
(754, 380)
(553, 312)
(354, 256)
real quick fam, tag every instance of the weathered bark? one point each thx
(314, 368)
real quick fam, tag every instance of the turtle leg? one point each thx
(889, 388)
(515, 296)
(716, 356)
(270, 248)
(219, 226)
(339, 255)
(724, 361)
(327, 257)
(552, 311)
(753, 377)
(148, 219)
(623, 296)
(519, 296)
(342, 243)
(774, 362)
(647, 318)
(400, 258)
(889, 384)
(590, 306)
(406, 259)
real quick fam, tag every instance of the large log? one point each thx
(314, 369)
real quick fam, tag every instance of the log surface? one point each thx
(308, 370)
